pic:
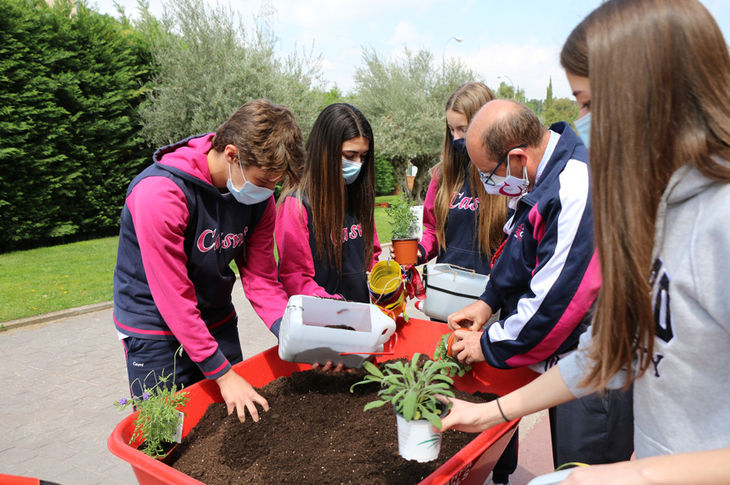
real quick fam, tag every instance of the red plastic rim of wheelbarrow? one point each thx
(471, 464)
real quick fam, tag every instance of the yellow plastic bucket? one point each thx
(385, 278)
(386, 287)
(394, 309)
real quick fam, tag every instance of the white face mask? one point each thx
(583, 127)
(249, 194)
(510, 186)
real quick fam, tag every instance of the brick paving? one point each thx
(60, 380)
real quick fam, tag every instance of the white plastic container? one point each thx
(308, 331)
(449, 289)
(418, 212)
(417, 440)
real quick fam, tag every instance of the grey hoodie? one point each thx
(682, 402)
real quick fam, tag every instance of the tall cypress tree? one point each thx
(70, 83)
(549, 94)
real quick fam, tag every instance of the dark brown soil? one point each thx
(342, 327)
(315, 432)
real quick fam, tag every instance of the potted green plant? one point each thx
(158, 424)
(411, 387)
(404, 224)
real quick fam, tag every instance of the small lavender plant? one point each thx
(157, 412)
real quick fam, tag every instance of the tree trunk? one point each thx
(420, 185)
(400, 167)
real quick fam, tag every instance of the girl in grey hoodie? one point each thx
(659, 148)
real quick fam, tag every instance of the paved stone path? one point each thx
(60, 380)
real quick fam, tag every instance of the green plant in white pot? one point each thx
(404, 225)
(411, 387)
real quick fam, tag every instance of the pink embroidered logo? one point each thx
(351, 232)
(458, 201)
(519, 232)
(211, 240)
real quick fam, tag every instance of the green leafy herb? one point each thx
(403, 221)
(411, 387)
(441, 353)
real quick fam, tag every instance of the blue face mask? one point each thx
(249, 194)
(350, 170)
(583, 126)
(460, 146)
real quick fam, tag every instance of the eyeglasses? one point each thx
(486, 178)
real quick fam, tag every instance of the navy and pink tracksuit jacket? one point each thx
(303, 273)
(178, 235)
(462, 246)
(548, 275)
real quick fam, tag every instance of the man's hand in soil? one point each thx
(239, 395)
(467, 347)
(472, 316)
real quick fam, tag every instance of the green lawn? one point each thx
(46, 280)
(381, 221)
(49, 279)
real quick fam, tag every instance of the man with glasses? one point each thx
(546, 275)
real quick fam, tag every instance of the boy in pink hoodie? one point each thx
(204, 202)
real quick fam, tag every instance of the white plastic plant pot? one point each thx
(417, 440)
(418, 212)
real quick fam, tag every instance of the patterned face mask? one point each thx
(510, 186)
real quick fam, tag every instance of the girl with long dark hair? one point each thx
(325, 231)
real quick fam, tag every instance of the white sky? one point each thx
(516, 41)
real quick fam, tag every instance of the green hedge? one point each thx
(384, 176)
(70, 83)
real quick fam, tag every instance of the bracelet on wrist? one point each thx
(499, 406)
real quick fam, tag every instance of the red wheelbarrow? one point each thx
(472, 464)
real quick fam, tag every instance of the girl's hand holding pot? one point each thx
(469, 417)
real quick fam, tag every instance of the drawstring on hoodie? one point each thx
(218, 223)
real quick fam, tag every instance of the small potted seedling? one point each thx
(411, 387)
(404, 223)
(443, 352)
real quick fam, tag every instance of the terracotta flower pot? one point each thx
(450, 343)
(405, 251)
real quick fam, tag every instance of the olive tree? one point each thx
(405, 100)
(209, 63)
